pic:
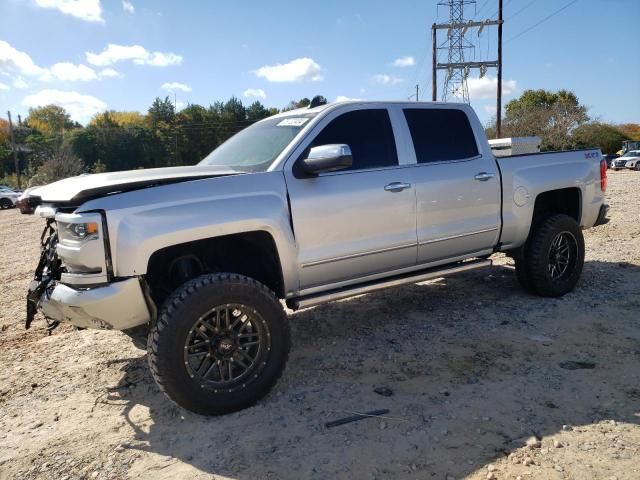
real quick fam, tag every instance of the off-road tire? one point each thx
(5, 203)
(532, 266)
(177, 317)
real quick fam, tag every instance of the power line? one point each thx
(542, 21)
(480, 9)
(522, 9)
(496, 12)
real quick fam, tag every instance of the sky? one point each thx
(92, 55)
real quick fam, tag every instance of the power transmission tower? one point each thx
(455, 83)
(457, 67)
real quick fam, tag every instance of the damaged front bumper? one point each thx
(116, 306)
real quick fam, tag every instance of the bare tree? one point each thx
(61, 164)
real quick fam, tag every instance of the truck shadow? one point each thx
(475, 366)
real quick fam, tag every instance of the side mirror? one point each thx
(327, 158)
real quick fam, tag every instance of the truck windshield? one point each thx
(256, 147)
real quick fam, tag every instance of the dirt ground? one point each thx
(476, 368)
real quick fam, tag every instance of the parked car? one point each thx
(632, 159)
(609, 158)
(621, 162)
(8, 198)
(308, 206)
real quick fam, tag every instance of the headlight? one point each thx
(82, 248)
(77, 232)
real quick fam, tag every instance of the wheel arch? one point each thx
(251, 253)
(564, 200)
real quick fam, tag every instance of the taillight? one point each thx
(603, 175)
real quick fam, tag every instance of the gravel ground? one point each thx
(486, 382)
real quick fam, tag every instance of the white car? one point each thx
(8, 198)
(631, 160)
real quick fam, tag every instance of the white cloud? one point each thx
(138, 54)
(80, 107)
(487, 87)
(342, 98)
(295, 71)
(180, 105)
(160, 59)
(110, 73)
(13, 61)
(254, 92)
(128, 7)
(173, 86)
(407, 61)
(20, 83)
(4, 87)
(69, 72)
(384, 79)
(88, 10)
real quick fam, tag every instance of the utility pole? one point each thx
(457, 67)
(175, 123)
(417, 92)
(434, 67)
(13, 149)
(499, 105)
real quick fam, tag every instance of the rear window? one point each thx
(440, 134)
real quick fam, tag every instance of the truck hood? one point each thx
(79, 189)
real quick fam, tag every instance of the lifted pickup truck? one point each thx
(308, 206)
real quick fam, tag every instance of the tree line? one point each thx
(52, 146)
(561, 122)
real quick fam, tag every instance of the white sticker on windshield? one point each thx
(293, 122)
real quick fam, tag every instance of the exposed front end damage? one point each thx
(117, 305)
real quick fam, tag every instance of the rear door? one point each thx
(457, 186)
(353, 223)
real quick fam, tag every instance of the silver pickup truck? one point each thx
(305, 207)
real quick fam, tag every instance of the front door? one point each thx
(360, 221)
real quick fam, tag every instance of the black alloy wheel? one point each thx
(227, 346)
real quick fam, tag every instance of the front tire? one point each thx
(553, 257)
(220, 343)
(5, 203)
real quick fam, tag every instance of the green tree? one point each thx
(594, 134)
(161, 111)
(550, 115)
(197, 134)
(294, 104)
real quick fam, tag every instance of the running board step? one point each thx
(413, 277)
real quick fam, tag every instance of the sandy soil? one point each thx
(476, 368)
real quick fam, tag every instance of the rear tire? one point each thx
(552, 258)
(220, 343)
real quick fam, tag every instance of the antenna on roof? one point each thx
(317, 101)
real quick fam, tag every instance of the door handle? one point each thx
(396, 186)
(484, 176)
